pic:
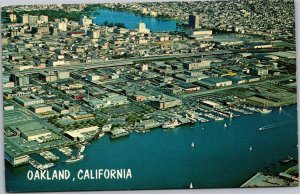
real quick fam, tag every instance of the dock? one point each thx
(291, 173)
(261, 180)
(290, 177)
(49, 156)
(66, 151)
(40, 166)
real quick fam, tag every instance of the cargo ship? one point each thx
(265, 111)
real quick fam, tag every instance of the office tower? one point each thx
(194, 21)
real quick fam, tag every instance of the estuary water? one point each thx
(164, 159)
(132, 20)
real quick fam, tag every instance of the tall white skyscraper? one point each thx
(25, 19)
(85, 21)
(143, 29)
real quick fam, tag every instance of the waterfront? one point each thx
(70, 79)
(165, 159)
(131, 20)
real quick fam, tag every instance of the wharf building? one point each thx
(147, 124)
(215, 82)
(165, 102)
(79, 134)
(14, 155)
(37, 138)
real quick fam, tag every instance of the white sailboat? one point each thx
(225, 125)
(191, 186)
(280, 109)
(250, 149)
(193, 144)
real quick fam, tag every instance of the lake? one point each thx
(132, 20)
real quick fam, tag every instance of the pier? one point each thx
(66, 151)
(49, 156)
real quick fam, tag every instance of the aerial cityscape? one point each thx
(199, 94)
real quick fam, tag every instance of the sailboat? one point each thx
(227, 143)
(193, 144)
(280, 109)
(191, 186)
(225, 125)
(250, 149)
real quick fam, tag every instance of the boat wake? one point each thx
(288, 114)
(272, 126)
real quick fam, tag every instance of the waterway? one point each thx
(164, 159)
(132, 20)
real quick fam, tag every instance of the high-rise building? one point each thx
(43, 29)
(12, 17)
(20, 79)
(32, 19)
(25, 19)
(14, 32)
(94, 34)
(44, 19)
(194, 21)
(85, 21)
(103, 31)
(53, 30)
(143, 29)
(62, 26)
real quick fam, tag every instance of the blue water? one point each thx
(132, 20)
(165, 159)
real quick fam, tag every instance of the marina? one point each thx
(40, 166)
(213, 142)
(171, 124)
(74, 159)
(49, 156)
(66, 151)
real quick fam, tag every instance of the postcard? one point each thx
(149, 95)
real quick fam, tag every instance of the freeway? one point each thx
(117, 62)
